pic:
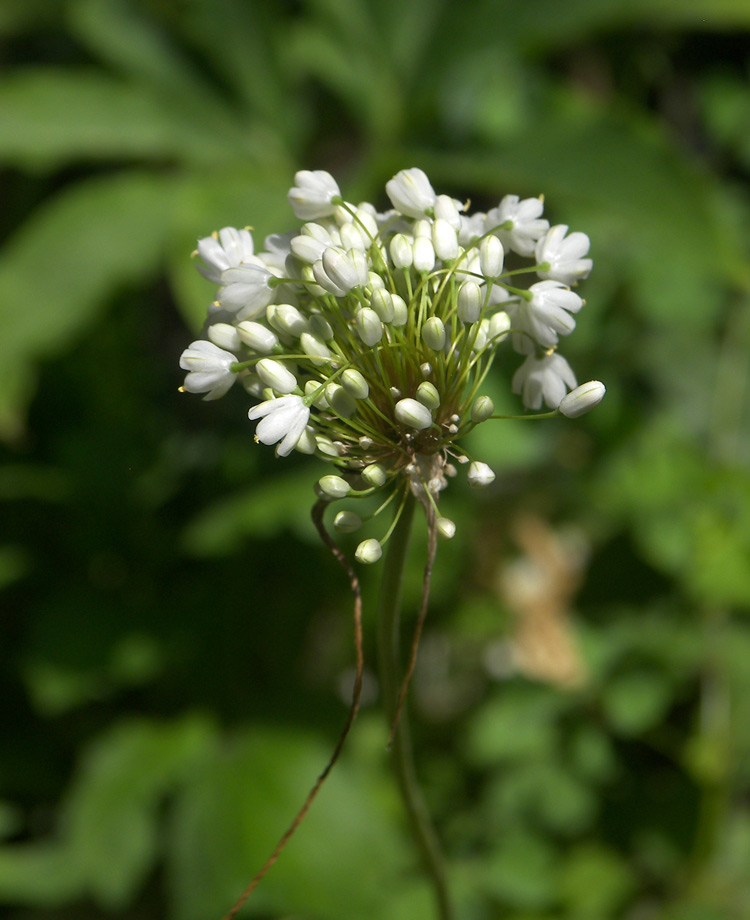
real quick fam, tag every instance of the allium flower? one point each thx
(283, 419)
(373, 333)
(564, 255)
(411, 193)
(229, 248)
(313, 194)
(548, 378)
(210, 369)
(547, 315)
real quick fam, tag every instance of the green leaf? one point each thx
(110, 819)
(50, 117)
(228, 823)
(636, 701)
(594, 882)
(59, 268)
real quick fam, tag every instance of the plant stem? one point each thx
(390, 679)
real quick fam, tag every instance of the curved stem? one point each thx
(422, 830)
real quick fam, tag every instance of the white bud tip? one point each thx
(446, 528)
(413, 414)
(480, 475)
(582, 399)
(368, 551)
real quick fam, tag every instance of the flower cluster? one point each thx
(366, 336)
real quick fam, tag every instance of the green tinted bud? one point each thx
(340, 401)
(446, 528)
(428, 395)
(499, 326)
(400, 311)
(401, 251)
(433, 333)
(326, 447)
(413, 414)
(382, 303)
(368, 551)
(369, 327)
(257, 336)
(482, 409)
(347, 522)
(314, 347)
(355, 384)
(320, 326)
(334, 486)
(275, 375)
(469, 302)
(306, 443)
(491, 257)
(374, 475)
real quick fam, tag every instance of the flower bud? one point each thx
(413, 414)
(275, 375)
(326, 447)
(225, 336)
(428, 395)
(315, 348)
(319, 400)
(425, 369)
(401, 251)
(445, 240)
(410, 192)
(340, 401)
(481, 331)
(308, 249)
(479, 474)
(424, 255)
(313, 194)
(333, 486)
(347, 522)
(306, 443)
(355, 384)
(352, 238)
(499, 326)
(433, 333)
(482, 409)
(287, 318)
(469, 302)
(257, 336)
(382, 303)
(582, 399)
(446, 528)
(445, 209)
(369, 327)
(491, 257)
(368, 551)
(400, 311)
(374, 475)
(318, 325)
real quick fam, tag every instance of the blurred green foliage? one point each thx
(174, 639)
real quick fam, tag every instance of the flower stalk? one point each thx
(391, 682)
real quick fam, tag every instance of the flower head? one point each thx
(367, 337)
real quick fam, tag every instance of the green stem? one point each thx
(390, 678)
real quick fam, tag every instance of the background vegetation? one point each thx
(175, 642)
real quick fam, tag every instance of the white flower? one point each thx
(583, 398)
(547, 378)
(209, 369)
(519, 223)
(410, 192)
(480, 474)
(246, 290)
(547, 315)
(231, 249)
(564, 254)
(283, 419)
(312, 195)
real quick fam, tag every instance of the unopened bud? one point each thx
(469, 302)
(582, 399)
(355, 384)
(433, 333)
(491, 257)
(333, 486)
(499, 326)
(369, 327)
(368, 551)
(446, 528)
(347, 522)
(374, 475)
(225, 336)
(482, 409)
(382, 303)
(400, 311)
(401, 251)
(424, 255)
(480, 474)
(445, 240)
(257, 336)
(275, 375)
(413, 414)
(340, 401)
(428, 395)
